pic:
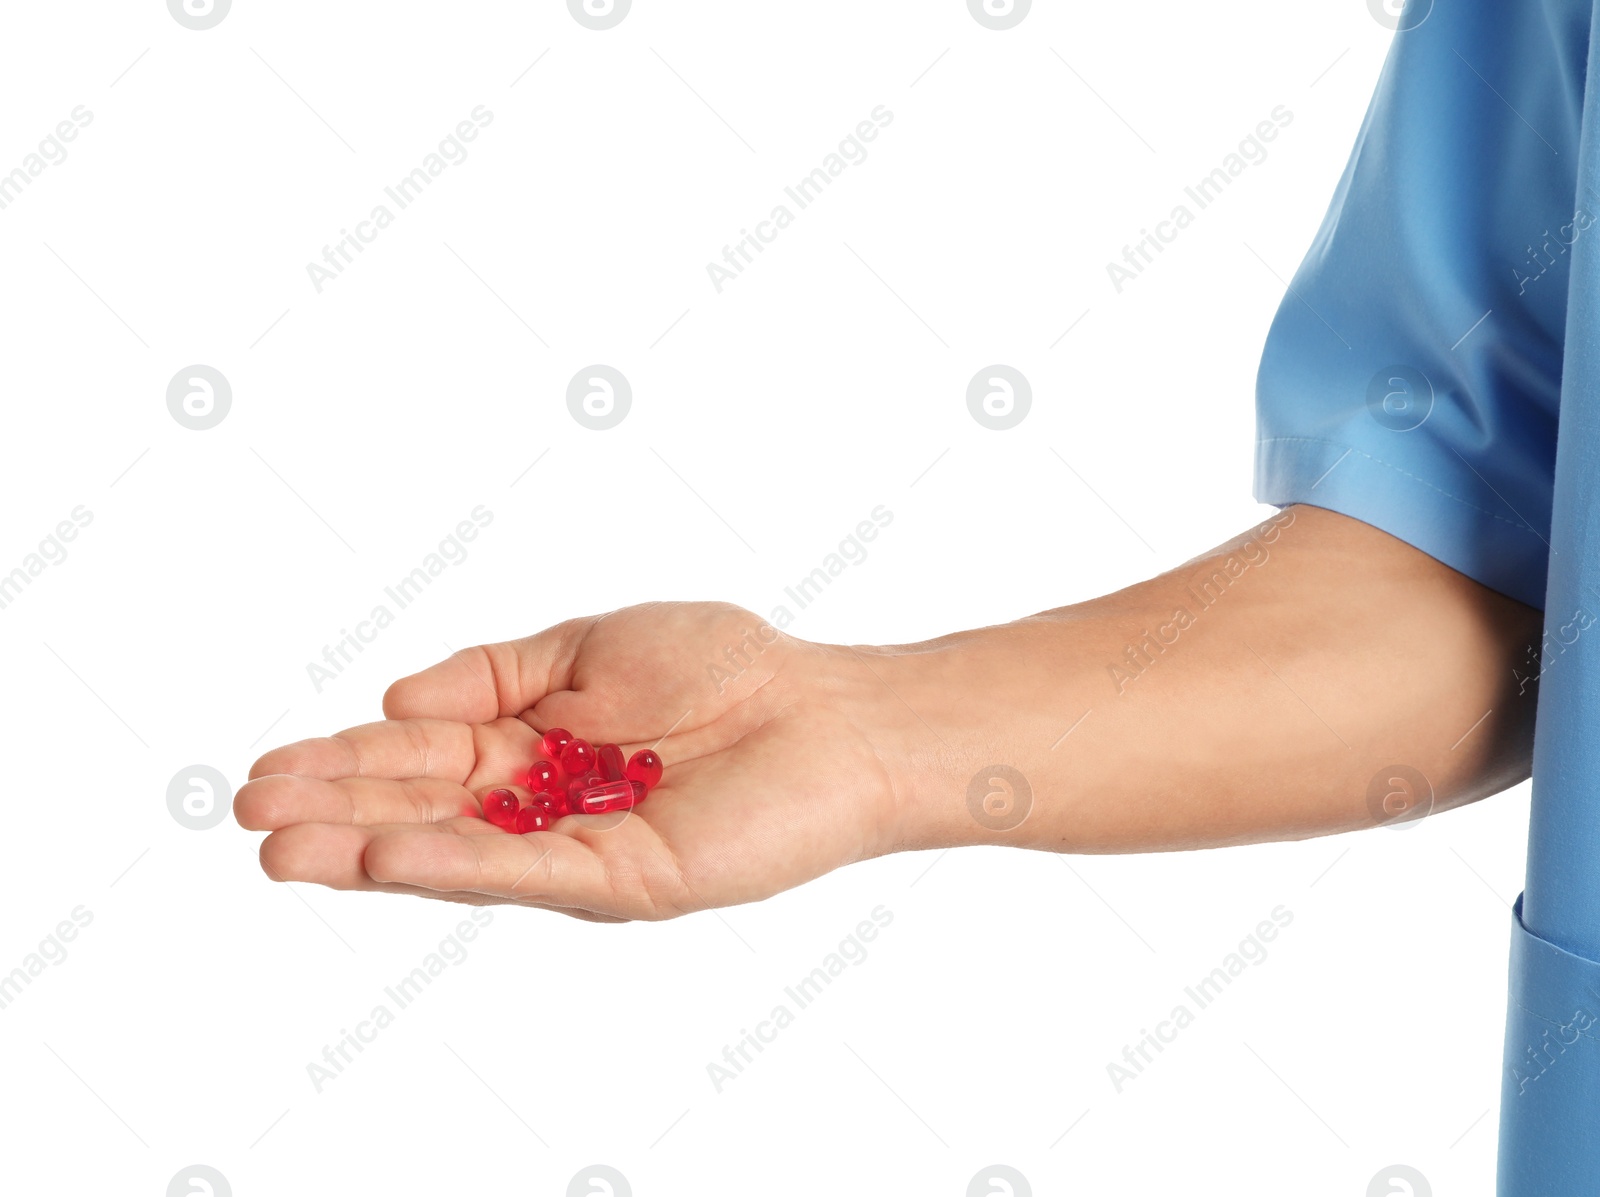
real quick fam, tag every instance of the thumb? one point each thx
(489, 681)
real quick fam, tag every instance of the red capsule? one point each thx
(544, 778)
(554, 740)
(644, 766)
(577, 758)
(609, 796)
(553, 804)
(584, 781)
(500, 807)
(612, 767)
(532, 818)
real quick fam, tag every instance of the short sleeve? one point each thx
(1411, 377)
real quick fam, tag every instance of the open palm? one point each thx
(770, 778)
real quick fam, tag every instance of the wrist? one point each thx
(970, 730)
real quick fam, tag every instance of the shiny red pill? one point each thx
(612, 767)
(609, 796)
(644, 766)
(500, 807)
(580, 783)
(554, 741)
(532, 818)
(544, 778)
(578, 757)
(554, 804)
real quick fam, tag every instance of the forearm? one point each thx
(1251, 694)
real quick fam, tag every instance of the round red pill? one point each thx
(554, 804)
(578, 757)
(500, 807)
(544, 777)
(532, 818)
(611, 763)
(644, 766)
(554, 741)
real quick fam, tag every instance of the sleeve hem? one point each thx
(1502, 552)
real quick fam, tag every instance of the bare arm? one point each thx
(1254, 693)
(1251, 694)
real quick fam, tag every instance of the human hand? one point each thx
(771, 779)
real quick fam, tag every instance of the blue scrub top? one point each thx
(1412, 376)
(1434, 371)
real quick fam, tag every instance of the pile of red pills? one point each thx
(573, 777)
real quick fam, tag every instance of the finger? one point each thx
(489, 681)
(407, 748)
(323, 854)
(558, 867)
(330, 854)
(281, 799)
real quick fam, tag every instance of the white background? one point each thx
(767, 421)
